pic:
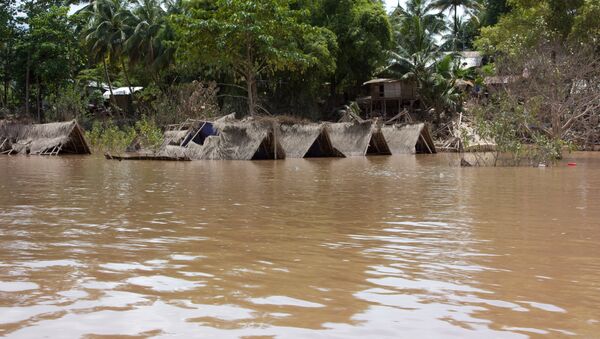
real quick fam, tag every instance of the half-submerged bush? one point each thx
(516, 133)
(106, 136)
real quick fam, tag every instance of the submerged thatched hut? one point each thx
(306, 141)
(358, 139)
(175, 145)
(408, 139)
(43, 139)
(189, 131)
(239, 140)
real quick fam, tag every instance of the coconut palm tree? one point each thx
(147, 42)
(469, 6)
(421, 9)
(415, 29)
(418, 56)
(108, 25)
(467, 29)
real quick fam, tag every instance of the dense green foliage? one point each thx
(252, 39)
(531, 23)
(203, 58)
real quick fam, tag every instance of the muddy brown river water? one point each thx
(382, 247)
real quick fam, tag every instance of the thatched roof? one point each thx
(175, 137)
(306, 141)
(352, 139)
(226, 118)
(357, 139)
(190, 130)
(44, 139)
(408, 139)
(239, 140)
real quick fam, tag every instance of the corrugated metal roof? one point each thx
(380, 81)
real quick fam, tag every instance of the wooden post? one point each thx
(195, 135)
(275, 140)
(384, 109)
(27, 87)
(426, 144)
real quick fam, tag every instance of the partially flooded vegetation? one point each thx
(361, 208)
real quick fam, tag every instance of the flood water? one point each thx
(380, 247)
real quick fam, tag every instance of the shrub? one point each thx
(149, 135)
(516, 135)
(108, 137)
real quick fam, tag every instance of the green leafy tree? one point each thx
(250, 38)
(493, 10)
(363, 33)
(531, 23)
(9, 34)
(48, 55)
(515, 32)
(56, 56)
(586, 25)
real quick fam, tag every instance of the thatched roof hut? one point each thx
(190, 130)
(358, 139)
(306, 141)
(43, 139)
(176, 142)
(239, 140)
(409, 138)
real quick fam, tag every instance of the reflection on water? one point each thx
(382, 247)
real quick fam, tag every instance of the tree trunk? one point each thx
(6, 92)
(455, 30)
(112, 97)
(5, 82)
(5, 74)
(27, 87)
(332, 87)
(128, 85)
(38, 100)
(250, 78)
(556, 126)
(250, 88)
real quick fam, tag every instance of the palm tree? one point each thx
(107, 29)
(419, 57)
(415, 29)
(147, 42)
(470, 6)
(404, 18)
(462, 34)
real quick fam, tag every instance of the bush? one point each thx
(148, 134)
(516, 135)
(108, 137)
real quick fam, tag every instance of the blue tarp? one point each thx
(207, 129)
